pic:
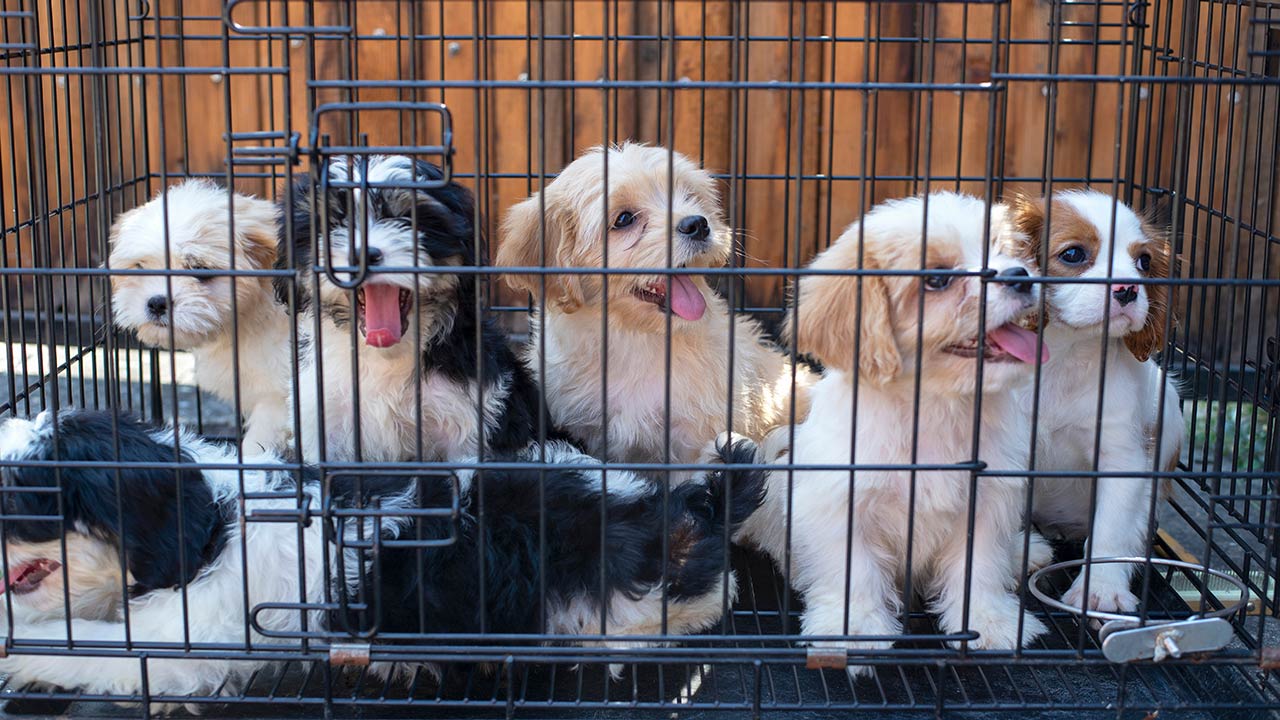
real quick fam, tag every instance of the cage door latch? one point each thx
(356, 654)
(1125, 641)
(826, 658)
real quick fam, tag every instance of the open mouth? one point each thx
(1007, 343)
(677, 293)
(26, 577)
(382, 312)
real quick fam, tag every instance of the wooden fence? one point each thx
(800, 162)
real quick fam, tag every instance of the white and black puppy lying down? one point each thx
(185, 553)
(420, 346)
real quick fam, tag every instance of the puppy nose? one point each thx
(1124, 294)
(375, 255)
(157, 305)
(1013, 278)
(694, 227)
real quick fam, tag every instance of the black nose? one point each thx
(1124, 294)
(1010, 277)
(694, 227)
(157, 305)
(375, 256)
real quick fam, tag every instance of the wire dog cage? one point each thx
(808, 113)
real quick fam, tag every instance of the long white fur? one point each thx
(1131, 413)
(212, 607)
(386, 378)
(657, 410)
(858, 568)
(201, 312)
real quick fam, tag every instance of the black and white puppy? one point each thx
(170, 545)
(429, 378)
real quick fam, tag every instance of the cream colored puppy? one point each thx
(663, 212)
(878, 336)
(188, 228)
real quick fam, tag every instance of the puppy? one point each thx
(205, 224)
(868, 334)
(431, 379)
(567, 348)
(1078, 243)
(173, 546)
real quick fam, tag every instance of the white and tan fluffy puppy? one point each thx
(849, 565)
(192, 229)
(1079, 243)
(663, 212)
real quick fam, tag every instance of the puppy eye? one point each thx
(136, 266)
(200, 266)
(1073, 255)
(937, 282)
(624, 219)
(1144, 262)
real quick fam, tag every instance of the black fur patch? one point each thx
(147, 500)
(445, 220)
(442, 593)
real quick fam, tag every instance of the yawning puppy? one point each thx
(193, 222)
(1078, 243)
(422, 385)
(849, 565)
(648, 218)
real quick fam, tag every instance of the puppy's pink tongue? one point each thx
(381, 315)
(685, 299)
(1018, 342)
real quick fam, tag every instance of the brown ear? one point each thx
(1026, 214)
(256, 229)
(827, 308)
(523, 245)
(1151, 338)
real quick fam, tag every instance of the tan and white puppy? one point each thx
(1079, 243)
(188, 227)
(648, 187)
(876, 345)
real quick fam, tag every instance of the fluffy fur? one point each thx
(165, 576)
(1078, 243)
(414, 331)
(568, 356)
(866, 333)
(194, 312)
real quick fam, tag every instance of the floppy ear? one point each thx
(523, 245)
(1151, 337)
(257, 221)
(113, 239)
(1026, 217)
(1026, 214)
(827, 309)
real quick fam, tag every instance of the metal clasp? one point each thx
(1124, 641)
(356, 654)
(825, 658)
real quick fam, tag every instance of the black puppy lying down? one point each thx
(166, 545)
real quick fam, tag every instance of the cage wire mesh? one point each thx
(807, 114)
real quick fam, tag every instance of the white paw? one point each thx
(1039, 554)
(1105, 595)
(996, 623)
